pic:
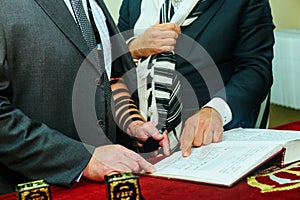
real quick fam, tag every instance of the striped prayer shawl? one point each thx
(159, 86)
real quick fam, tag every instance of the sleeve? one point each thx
(252, 58)
(34, 150)
(222, 107)
(123, 21)
(127, 18)
(30, 148)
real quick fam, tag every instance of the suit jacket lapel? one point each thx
(64, 22)
(68, 26)
(203, 19)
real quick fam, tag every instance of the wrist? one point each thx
(222, 108)
(134, 49)
(137, 49)
(131, 129)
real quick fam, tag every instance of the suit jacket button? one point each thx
(98, 81)
(100, 123)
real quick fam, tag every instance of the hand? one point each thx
(114, 159)
(143, 130)
(204, 127)
(156, 39)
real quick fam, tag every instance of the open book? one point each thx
(240, 152)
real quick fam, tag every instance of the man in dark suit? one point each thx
(47, 77)
(237, 36)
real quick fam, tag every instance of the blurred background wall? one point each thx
(286, 13)
(113, 6)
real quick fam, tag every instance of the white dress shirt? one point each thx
(100, 22)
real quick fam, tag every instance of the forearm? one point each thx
(127, 113)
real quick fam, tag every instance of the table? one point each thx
(164, 189)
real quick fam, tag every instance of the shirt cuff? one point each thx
(77, 179)
(130, 39)
(222, 107)
(135, 60)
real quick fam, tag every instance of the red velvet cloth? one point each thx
(153, 188)
(289, 126)
(165, 189)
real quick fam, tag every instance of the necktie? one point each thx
(83, 23)
(89, 32)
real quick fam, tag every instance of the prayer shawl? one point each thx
(159, 87)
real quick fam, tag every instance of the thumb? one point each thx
(145, 165)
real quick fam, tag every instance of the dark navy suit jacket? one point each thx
(238, 37)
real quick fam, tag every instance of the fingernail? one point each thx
(152, 169)
(185, 154)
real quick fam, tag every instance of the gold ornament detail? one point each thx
(287, 184)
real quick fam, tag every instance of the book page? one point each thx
(240, 134)
(292, 152)
(218, 163)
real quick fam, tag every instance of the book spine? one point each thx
(282, 164)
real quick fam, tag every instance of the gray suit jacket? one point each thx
(41, 51)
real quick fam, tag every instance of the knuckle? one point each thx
(174, 41)
(155, 34)
(135, 168)
(174, 35)
(197, 143)
(207, 140)
(173, 26)
(202, 122)
(170, 48)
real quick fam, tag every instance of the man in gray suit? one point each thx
(41, 51)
